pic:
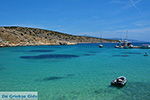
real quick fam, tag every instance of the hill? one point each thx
(22, 36)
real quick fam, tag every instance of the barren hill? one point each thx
(22, 36)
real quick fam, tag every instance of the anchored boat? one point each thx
(101, 46)
(124, 44)
(128, 45)
(145, 46)
(119, 82)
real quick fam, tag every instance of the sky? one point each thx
(109, 18)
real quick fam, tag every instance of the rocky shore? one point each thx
(24, 36)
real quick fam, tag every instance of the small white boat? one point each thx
(119, 82)
(101, 46)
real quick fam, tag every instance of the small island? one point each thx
(25, 36)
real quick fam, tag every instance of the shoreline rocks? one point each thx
(24, 36)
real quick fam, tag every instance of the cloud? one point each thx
(133, 4)
(142, 23)
(126, 4)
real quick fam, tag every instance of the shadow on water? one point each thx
(120, 55)
(41, 51)
(137, 53)
(88, 54)
(53, 78)
(49, 56)
(33, 50)
(2, 68)
(93, 52)
(69, 75)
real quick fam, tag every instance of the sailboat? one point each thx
(125, 44)
(101, 45)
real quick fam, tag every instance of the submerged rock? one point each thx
(49, 56)
(41, 50)
(52, 78)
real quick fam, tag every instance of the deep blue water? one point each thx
(75, 72)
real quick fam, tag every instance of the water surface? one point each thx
(77, 72)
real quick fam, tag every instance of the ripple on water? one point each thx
(135, 91)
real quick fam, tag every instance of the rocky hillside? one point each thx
(22, 36)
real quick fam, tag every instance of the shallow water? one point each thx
(77, 72)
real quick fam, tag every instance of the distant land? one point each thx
(132, 40)
(25, 36)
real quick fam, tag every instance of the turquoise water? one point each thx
(78, 72)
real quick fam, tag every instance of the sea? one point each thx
(76, 72)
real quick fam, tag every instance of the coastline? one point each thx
(25, 36)
(34, 44)
(40, 44)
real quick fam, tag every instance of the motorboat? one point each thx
(101, 46)
(119, 82)
(145, 46)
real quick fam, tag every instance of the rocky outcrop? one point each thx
(24, 36)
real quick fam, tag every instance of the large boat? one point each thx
(128, 45)
(124, 44)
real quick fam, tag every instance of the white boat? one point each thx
(101, 46)
(119, 82)
(124, 44)
(145, 46)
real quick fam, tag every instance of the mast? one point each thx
(100, 37)
(126, 35)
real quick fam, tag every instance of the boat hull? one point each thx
(119, 84)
